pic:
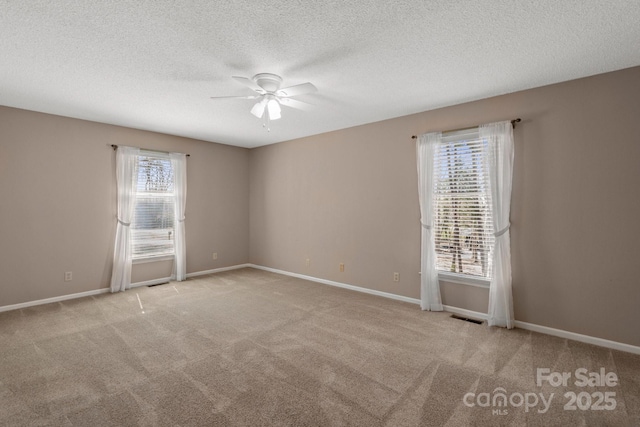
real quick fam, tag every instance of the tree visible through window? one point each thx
(152, 231)
(462, 218)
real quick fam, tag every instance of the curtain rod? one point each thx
(115, 147)
(513, 123)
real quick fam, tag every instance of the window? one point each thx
(462, 220)
(152, 228)
(464, 192)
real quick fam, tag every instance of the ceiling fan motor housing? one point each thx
(267, 81)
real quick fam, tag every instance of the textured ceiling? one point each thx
(154, 64)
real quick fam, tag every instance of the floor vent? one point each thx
(157, 284)
(466, 319)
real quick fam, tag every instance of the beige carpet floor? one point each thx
(252, 348)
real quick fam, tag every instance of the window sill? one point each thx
(153, 259)
(463, 279)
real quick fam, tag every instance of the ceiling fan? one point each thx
(270, 97)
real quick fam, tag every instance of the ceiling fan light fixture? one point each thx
(258, 109)
(266, 87)
(274, 109)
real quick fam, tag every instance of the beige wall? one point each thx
(57, 204)
(351, 196)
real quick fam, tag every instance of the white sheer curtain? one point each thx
(126, 172)
(429, 286)
(179, 165)
(499, 163)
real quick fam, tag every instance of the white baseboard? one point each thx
(218, 270)
(614, 345)
(465, 313)
(151, 282)
(194, 274)
(338, 284)
(54, 299)
(468, 313)
(460, 311)
(106, 290)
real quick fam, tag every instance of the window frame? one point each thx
(146, 258)
(448, 276)
(463, 279)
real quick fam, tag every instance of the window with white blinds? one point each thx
(462, 218)
(152, 232)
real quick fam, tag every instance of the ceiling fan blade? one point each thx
(236, 97)
(294, 103)
(296, 90)
(248, 83)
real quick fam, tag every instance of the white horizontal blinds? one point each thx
(152, 231)
(462, 221)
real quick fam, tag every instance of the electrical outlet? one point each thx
(308, 262)
(396, 277)
(68, 276)
(215, 255)
(341, 267)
